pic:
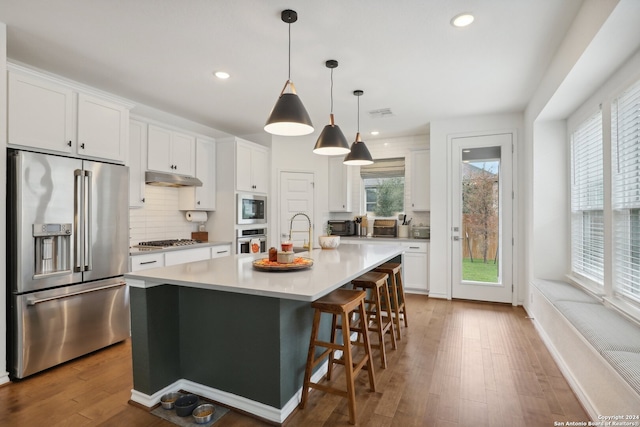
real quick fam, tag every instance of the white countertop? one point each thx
(331, 269)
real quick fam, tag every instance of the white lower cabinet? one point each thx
(187, 255)
(416, 267)
(162, 259)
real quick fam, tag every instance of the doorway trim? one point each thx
(515, 220)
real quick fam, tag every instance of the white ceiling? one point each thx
(404, 54)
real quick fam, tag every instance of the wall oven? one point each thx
(251, 209)
(251, 241)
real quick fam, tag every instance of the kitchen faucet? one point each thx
(310, 230)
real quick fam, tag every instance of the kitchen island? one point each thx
(225, 331)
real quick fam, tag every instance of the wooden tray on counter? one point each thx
(298, 263)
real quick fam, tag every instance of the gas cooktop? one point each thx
(169, 243)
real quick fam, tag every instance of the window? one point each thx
(587, 200)
(625, 144)
(384, 187)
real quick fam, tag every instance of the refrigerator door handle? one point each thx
(32, 301)
(88, 203)
(77, 221)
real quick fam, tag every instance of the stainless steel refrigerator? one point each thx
(67, 228)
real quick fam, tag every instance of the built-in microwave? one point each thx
(251, 209)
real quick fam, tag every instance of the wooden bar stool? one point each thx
(343, 303)
(394, 270)
(376, 284)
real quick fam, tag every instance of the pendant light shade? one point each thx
(289, 117)
(359, 155)
(331, 141)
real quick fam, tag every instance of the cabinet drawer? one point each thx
(220, 251)
(143, 262)
(415, 246)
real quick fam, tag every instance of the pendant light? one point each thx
(331, 141)
(359, 155)
(289, 117)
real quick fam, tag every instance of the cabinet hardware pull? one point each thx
(143, 200)
(82, 145)
(148, 262)
(69, 143)
(198, 201)
(221, 252)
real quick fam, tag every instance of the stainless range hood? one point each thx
(164, 179)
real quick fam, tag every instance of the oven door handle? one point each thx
(32, 301)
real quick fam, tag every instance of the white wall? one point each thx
(440, 249)
(4, 376)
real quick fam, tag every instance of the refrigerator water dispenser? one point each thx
(52, 249)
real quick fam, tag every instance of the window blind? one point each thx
(587, 199)
(384, 168)
(625, 139)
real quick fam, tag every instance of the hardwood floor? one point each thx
(458, 364)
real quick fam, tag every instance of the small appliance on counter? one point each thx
(385, 228)
(421, 231)
(342, 228)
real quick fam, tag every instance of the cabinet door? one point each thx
(243, 167)
(102, 128)
(137, 160)
(202, 198)
(183, 150)
(415, 271)
(420, 166)
(339, 185)
(260, 170)
(159, 149)
(40, 114)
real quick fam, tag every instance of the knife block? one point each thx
(203, 236)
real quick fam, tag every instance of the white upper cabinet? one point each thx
(48, 115)
(202, 198)
(102, 128)
(252, 167)
(137, 160)
(420, 189)
(339, 185)
(40, 114)
(170, 151)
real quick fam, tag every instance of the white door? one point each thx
(296, 196)
(482, 218)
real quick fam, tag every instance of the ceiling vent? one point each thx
(381, 113)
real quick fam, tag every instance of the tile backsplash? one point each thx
(160, 218)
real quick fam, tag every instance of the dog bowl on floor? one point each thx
(169, 399)
(186, 404)
(203, 413)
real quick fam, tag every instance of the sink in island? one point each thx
(226, 331)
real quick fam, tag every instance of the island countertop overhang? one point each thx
(331, 270)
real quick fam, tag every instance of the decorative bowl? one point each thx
(169, 399)
(203, 413)
(186, 404)
(329, 242)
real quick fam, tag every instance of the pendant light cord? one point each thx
(332, 91)
(358, 114)
(289, 70)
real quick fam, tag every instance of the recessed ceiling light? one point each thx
(462, 20)
(375, 132)
(223, 75)
(466, 151)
